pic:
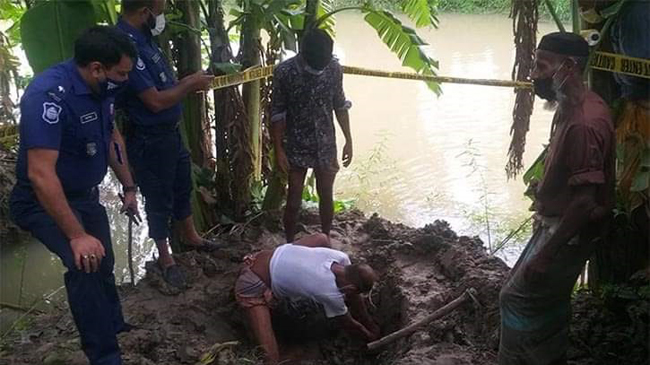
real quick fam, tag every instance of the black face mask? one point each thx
(544, 88)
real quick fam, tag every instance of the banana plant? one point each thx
(49, 28)
(400, 39)
(283, 18)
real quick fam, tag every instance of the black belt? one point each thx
(81, 194)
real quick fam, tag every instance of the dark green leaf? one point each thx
(49, 29)
(422, 12)
(404, 42)
(105, 11)
(641, 181)
(228, 68)
(536, 170)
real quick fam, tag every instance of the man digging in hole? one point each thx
(306, 269)
(572, 202)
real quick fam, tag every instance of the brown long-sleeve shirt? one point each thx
(581, 152)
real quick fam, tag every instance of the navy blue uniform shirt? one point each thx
(150, 70)
(60, 112)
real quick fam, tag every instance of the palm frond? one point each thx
(422, 12)
(325, 7)
(404, 42)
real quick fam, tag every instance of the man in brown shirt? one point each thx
(572, 202)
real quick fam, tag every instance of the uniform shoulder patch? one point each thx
(51, 112)
(139, 65)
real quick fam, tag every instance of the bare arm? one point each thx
(47, 186)
(277, 134)
(359, 311)
(158, 100)
(118, 159)
(343, 117)
(354, 328)
(119, 162)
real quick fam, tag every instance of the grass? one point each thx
(562, 7)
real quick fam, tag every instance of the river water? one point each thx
(417, 157)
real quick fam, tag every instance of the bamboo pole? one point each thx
(442, 312)
(441, 79)
(575, 17)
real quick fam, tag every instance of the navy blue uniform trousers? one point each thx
(93, 297)
(162, 168)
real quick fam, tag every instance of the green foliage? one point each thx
(258, 192)
(105, 11)
(404, 42)
(536, 171)
(501, 227)
(562, 7)
(642, 178)
(310, 195)
(422, 12)
(371, 173)
(625, 291)
(62, 22)
(475, 6)
(281, 19)
(11, 12)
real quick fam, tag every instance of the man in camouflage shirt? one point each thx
(307, 91)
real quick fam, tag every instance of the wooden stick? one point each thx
(130, 251)
(450, 307)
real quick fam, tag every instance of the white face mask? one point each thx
(160, 25)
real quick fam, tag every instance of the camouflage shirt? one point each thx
(306, 99)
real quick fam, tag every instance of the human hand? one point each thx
(199, 81)
(347, 154)
(88, 252)
(375, 331)
(130, 206)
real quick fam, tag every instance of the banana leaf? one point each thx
(49, 29)
(404, 42)
(422, 12)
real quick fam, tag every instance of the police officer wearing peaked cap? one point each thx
(160, 160)
(67, 141)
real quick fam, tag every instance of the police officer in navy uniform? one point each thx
(160, 160)
(67, 140)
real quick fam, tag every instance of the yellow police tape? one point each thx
(258, 73)
(612, 62)
(601, 61)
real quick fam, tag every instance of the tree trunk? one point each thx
(223, 104)
(251, 46)
(246, 160)
(195, 126)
